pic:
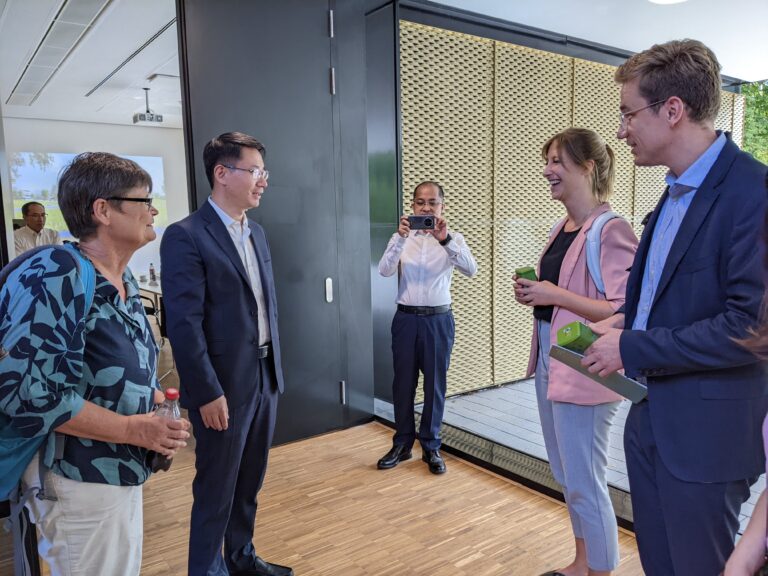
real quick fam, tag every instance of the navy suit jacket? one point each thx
(707, 394)
(211, 311)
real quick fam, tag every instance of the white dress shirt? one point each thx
(426, 267)
(240, 233)
(25, 238)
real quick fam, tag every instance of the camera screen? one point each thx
(421, 222)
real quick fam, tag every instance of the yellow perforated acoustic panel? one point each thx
(737, 130)
(596, 106)
(446, 84)
(533, 102)
(724, 119)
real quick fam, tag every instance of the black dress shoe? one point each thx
(263, 568)
(397, 454)
(434, 460)
(552, 573)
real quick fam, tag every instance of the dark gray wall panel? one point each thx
(383, 158)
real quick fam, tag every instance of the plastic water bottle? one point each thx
(168, 409)
(152, 274)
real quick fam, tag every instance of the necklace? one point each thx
(571, 224)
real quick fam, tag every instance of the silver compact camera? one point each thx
(422, 222)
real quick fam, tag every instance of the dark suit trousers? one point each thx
(230, 469)
(682, 528)
(420, 343)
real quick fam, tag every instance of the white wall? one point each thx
(24, 135)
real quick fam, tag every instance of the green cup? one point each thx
(576, 336)
(526, 272)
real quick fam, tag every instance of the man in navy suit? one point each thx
(694, 446)
(219, 296)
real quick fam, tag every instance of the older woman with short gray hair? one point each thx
(84, 371)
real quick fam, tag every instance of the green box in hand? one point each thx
(576, 336)
(526, 272)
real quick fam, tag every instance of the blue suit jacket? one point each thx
(211, 311)
(707, 394)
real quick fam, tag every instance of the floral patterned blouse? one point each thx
(60, 358)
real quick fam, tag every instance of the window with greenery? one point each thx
(756, 119)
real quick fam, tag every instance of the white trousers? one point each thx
(90, 529)
(576, 438)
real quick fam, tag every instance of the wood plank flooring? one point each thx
(326, 510)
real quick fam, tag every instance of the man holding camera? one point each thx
(426, 253)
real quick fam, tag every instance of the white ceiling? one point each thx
(121, 29)
(734, 30)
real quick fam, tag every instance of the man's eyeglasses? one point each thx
(430, 203)
(625, 117)
(256, 173)
(147, 200)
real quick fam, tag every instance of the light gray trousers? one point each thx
(576, 438)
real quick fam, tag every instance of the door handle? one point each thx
(329, 290)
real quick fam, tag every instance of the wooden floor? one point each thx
(326, 510)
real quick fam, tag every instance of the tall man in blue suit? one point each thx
(219, 295)
(694, 447)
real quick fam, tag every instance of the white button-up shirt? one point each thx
(240, 233)
(426, 267)
(25, 238)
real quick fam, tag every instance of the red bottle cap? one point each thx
(171, 394)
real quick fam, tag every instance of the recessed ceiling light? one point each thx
(667, 1)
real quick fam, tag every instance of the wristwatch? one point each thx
(448, 238)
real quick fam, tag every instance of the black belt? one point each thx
(263, 351)
(424, 310)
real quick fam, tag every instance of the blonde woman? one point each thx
(576, 412)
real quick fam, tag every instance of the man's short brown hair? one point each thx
(683, 68)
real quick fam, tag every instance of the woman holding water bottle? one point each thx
(575, 411)
(85, 367)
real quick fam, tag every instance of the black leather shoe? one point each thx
(397, 454)
(263, 568)
(434, 461)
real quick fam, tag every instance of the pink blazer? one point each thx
(617, 251)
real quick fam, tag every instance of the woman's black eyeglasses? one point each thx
(147, 200)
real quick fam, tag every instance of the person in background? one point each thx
(33, 233)
(90, 375)
(423, 326)
(221, 306)
(575, 411)
(694, 446)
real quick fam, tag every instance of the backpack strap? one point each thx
(87, 274)
(593, 248)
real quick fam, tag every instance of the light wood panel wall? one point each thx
(475, 113)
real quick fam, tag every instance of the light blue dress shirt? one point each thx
(671, 217)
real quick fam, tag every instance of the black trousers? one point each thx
(230, 468)
(682, 528)
(420, 343)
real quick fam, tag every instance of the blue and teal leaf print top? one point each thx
(108, 358)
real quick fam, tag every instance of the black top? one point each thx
(551, 263)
